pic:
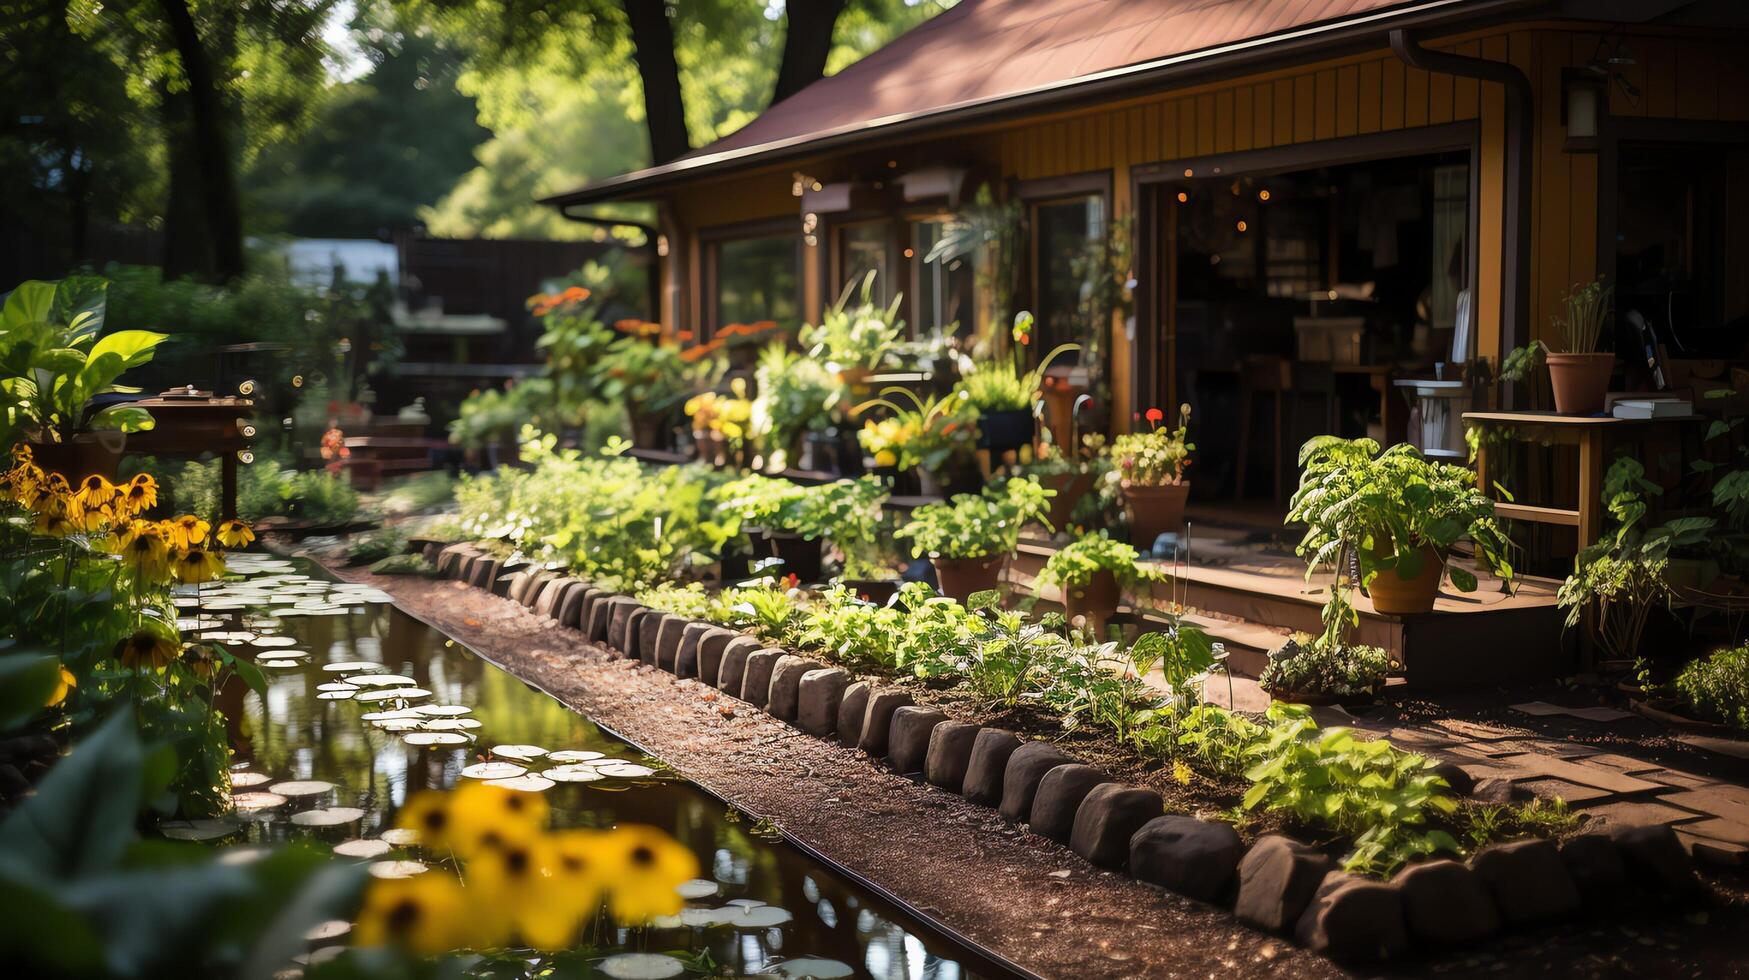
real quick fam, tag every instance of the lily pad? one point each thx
(244, 780)
(697, 888)
(324, 931)
(328, 817)
(346, 695)
(525, 753)
(450, 724)
(577, 773)
(573, 755)
(528, 783)
(382, 680)
(443, 710)
(273, 642)
(428, 739)
(493, 770)
(352, 666)
(396, 869)
(394, 694)
(626, 770)
(336, 686)
(257, 801)
(389, 714)
(363, 847)
(279, 664)
(301, 787)
(814, 967)
(641, 966)
(400, 836)
(763, 917)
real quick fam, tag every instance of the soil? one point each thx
(1024, 898)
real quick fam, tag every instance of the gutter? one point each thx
(1515, 276)
(1124, 82)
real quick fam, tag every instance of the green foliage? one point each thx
(612, 520)
(1155, 458)
(1301, 666)
(1584, 310)
(1620, 578)
(860, 337)
(987, 233)
(844, 510)
(1385, 508)
(926, 433)
(860, 635)
(1716, 686)
(688, 600)
(1367, 788)
(266, 488)
(404, 564)
(1075, 565)
(374, 547)
(797, 395)
(765, 608)
(55, 360)
(977, 525)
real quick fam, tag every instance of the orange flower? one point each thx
(575, 294)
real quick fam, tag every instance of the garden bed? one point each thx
(645, 703)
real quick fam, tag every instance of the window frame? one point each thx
(712, 239)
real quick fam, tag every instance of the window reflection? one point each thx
(943, 291)
(862, 249)
(756, 279)
(1066, 232)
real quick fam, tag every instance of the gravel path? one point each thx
(1029, 900)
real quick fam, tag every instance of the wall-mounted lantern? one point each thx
(1584, 100)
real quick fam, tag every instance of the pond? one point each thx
(334, 652)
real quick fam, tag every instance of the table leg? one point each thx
(1590, 486)
(228, 485)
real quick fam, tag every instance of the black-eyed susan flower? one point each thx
(202, 659)
(142, 548)
(55, 517)
(194, 565)
(139, 494)
(94, 492)
(235, 533)
(514, 882)
(426, 813)
(426, 915)
(64, 685)
(644, 867)
(146, 649)
(482, 816)
(188, 531)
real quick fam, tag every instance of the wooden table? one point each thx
(195, 426)
(1590, 434)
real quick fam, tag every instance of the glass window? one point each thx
(942, 300)
(1679, 238)
(862, 250)
(757, 279)
(1067, 232)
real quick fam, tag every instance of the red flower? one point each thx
(1155, 415)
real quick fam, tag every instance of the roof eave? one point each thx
(1128, 80)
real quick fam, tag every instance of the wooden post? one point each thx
(228, 486)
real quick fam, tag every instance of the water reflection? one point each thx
(290, 734)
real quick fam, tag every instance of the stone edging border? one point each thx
(1278, 885)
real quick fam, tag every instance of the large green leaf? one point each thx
(26, 681)
(81, 819)
(133, 346)
(126, 418)
(39, 932)
(80, 302)
(32, 301)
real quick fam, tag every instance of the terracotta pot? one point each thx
(1154, 511)
(800, 556)
(960, 577)
(1580, 381)
(1393, 594)
(1097, 600)
(1070, 488)
(85, 454)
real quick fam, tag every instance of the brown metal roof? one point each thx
(986, 54)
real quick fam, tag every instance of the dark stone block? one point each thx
(502, 579)
(733, 669)
(1059, 797)
(602, 609)
(1528, 880)
(668, 642)
(908, 737)
(877, 721)
(575, 602)
(1020, 779)
(1107, 820)
(1195, 858)
(783, 697)
(649, 628)
(852, 706)
(519, 581)
(756, 678)
(1277, 879)
(536, 584)
(450, 559)
(686, 655)
(1444, 903)
(820, 694)
(1354, 920)
(483, 571)
(1654, 858)
(553, 596)
(1498, 791)
(1595, 864)
(984, 770)
(950, 751)
(620, 612)
(1460, 781)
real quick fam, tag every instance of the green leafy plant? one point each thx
(855, 338)
(797, 395)
(1155, 458)
(999, 384)
(1305, 667)
(767, 609)
(1076, 564)
(988, 233)
(1386, 509)
(688, 600)
(1716, 686)
(53, 363)
(1584, 311)
(978, 525)
(849, 631)
(928, 433)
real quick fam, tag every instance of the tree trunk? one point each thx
(199, 147)
(807, 40)
(653, 49)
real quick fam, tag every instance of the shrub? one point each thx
(265, 488)
(977, 525)
(1716, 686)
(1303, 666)
(1154, 458)
(1075, 565)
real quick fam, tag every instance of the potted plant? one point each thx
(1150, 466)
(932, 435)
(1305, 671)
(1071, 477)
(721, 424)
(1004, 392)
(854, 342)
(648, 373)
(796, 519)
(1579, 373)
(1092, 574)
(797, 396)
(56, 374)
(1398, 513)
(969, 537)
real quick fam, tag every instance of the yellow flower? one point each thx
(195, 565)
(644, 867)
(55, 517)
(481, 816)
(94, 492)
(188, 531)
(146, 648)
(139, 494)
(203, 660)
(235, 534)
(63, 684)
(426, 813)
(143, 549)
(88, 519)
(514, 884)
(426, 915)
(886, 457)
